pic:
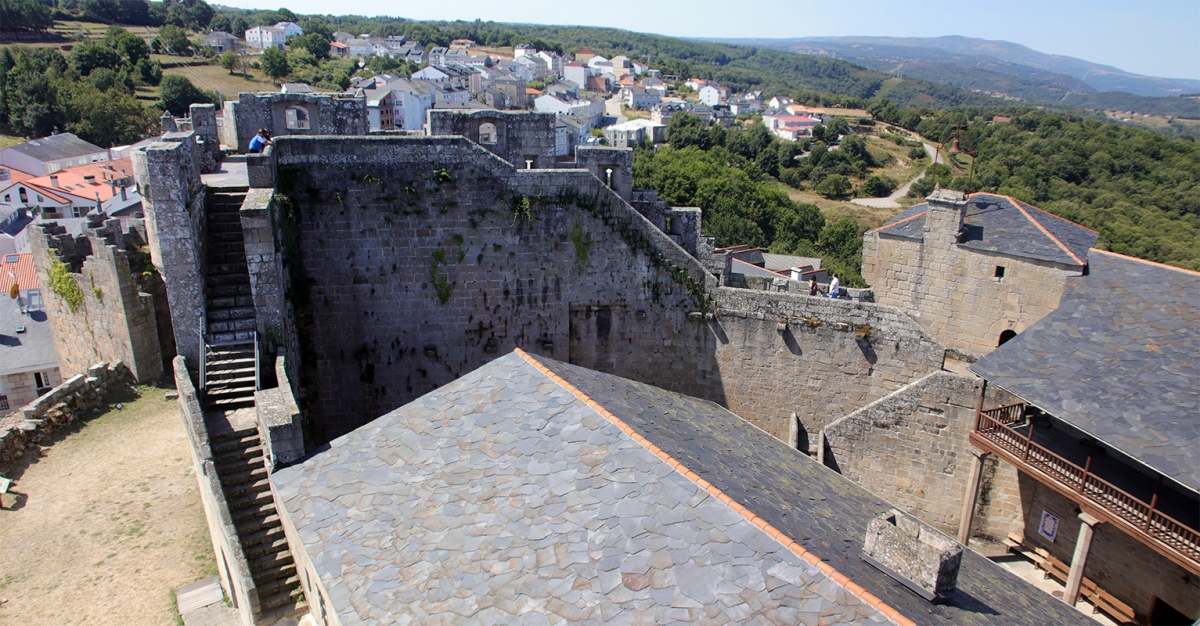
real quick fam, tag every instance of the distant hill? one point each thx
(982, 64)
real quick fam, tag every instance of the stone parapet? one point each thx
(279, 420)
(37, 422)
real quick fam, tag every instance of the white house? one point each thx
(621, 65)
(636, 97)
(778, 102)
(576, 73)
(290, 29)
(523, 50)
(789, 127)
(713, 94)
(50, 154)
(263, 37)
(553, 60)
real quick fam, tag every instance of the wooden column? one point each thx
(1079, 561)
(969, 497)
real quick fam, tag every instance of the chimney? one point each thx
(915, 554)
(53, 180)
(944, 220)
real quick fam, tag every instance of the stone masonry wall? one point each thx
(520, 137)
(22, 388)
(953, 291)
(415, 259)
(115, 319)
(780, 353)
(912, 449)
(328, 114)
(38, 421)
(1118, 563)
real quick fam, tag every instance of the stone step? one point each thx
(282, 605)
(229, 303)
(223, 377)
(217, 365)
(239, 454)
(225, 247)
(254, 527)
(230, 403)
(238, 267)
(279, 592)
(251, 475)
(277, 543)
(215, 226)
(228, 278)
(271, 564)
(235, 435)
(235, 256)
(225, 382)
(223, 216)
(257, 510)
(232, 325)
(220, 314)
(241, 489)
(233, 237)
(227, 291)
(267, 533)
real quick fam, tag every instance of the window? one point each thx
(608, 177)
(24, 196)
(487, 133)
(1005, 336)
(42, 381)
(999, 272)
(12, 258)
(8, 197)
(297, 118)
(78, 211)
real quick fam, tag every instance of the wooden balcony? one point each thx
(1006, 432)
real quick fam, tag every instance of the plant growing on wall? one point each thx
(63, 284)
(437, 275)
(442, 176)
(95, 290)
(583, 244)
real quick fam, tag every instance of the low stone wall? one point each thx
(912, 449)
(279, 420)
(231, 561)
(41, 419)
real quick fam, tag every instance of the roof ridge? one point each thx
(1017, 203)
(1057, 217)
(838, 577)
(1147, 261)
(907, 219)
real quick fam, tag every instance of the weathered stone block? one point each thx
(924, 559)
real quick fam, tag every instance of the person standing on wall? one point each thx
(813, 289)
(834, 285)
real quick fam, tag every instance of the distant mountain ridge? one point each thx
(1059, 73)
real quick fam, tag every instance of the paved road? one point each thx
(890, 201)
(612, 108)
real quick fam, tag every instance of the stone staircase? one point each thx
(241, 466)
(230, 380)
(229, 362)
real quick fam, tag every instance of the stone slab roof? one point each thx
(1006, 225)
(820, 509)
(27, 351)
(1118, 360)
(504, 497)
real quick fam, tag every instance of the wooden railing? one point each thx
(995, 426)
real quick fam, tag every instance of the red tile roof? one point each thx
(20, 271)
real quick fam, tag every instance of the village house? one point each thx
(66, 196)
(713, 94)
(462, 44)
(636, 97)
(789, 127)
(220, 41)
(263, 37)
(50, 154)
(28, 363)
(290, 29)
(583, 56)
(634, 133)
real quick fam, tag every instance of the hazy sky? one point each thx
(1154, 37)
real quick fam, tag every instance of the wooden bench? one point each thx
(1101, 600)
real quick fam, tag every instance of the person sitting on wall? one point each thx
(260, 141)
(834, 285)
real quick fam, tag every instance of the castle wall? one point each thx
(415, 259)
(327, 115)
(1118, 563)
(519, 137)
(912, 449)
(953, 291)
(113, 319)
(780, 353)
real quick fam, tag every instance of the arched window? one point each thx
(297, 118)
(487, 133)
(608, 177)
(1005, 336)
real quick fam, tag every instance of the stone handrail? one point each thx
(279, 420)
(231, 560)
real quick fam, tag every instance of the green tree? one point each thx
(315, 43)
(917, 153)
(228, 60)
(275, 63)
(686, 130)
(878, 186)
(172, 39)
(837, 127)
(104, 118)
(177, 93)
(88, 55)
(24, 15)
(834, 186)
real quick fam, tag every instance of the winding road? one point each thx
(890, 201)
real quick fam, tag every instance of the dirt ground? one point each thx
(106, 523)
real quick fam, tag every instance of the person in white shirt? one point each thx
(834, 286)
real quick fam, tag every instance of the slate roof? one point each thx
(506, 492)
(503, 497)
(821, 510)
(787, 261)
(1117, 359)
(741, 267)
(29, 351)
(1006, 225)
(55, 147)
